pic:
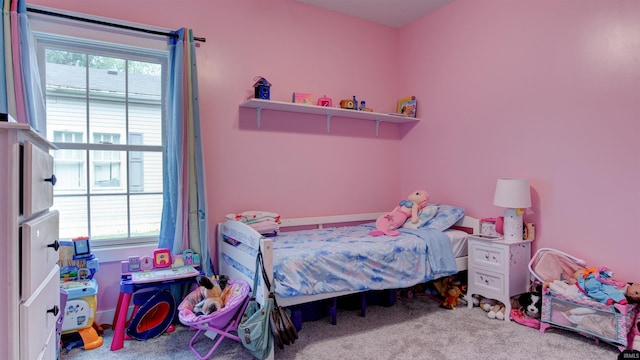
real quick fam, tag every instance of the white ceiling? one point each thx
(395, 13)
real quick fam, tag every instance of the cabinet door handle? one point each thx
(54, 310)
(52, 179)
(55, 245)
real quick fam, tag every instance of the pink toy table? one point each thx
(130, 284)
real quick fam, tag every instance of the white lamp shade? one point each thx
(512, 193)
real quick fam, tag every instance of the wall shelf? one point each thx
(328, 112)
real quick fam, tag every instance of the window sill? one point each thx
(120, 253)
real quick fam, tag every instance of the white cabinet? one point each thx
(29, 273)
(498, 269)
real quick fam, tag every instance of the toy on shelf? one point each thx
(77, 269)
(348, 104)
(262, 88)
(325, 101)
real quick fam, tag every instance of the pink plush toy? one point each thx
(389, 222)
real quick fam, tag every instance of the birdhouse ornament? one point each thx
(261, 88)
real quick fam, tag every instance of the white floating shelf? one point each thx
(328, 112)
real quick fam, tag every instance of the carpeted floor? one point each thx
(412, 328)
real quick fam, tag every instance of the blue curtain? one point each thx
(184, 220)
(32, 88)
(22, 94)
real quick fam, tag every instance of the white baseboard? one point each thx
(106, 316)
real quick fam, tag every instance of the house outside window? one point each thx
(106, 164)
(105, 113)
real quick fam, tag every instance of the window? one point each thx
(70, 165)
(104, 108)
(106, 164)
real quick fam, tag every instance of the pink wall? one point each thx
(546, 90)
(538, 89)
(290, 165)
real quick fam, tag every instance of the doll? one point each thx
(600, 285)
(388, 223)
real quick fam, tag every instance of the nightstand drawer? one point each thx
(488, 282)
(487, 255)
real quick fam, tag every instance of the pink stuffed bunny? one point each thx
(389, 222)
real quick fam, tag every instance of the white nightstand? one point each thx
(498, 269)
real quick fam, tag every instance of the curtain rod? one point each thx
(100, 22)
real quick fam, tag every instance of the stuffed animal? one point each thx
(531, 303)
(409, 208)
(494, 308)
(486, 304)
(449, 290)
(214, 292)
(497, 311)
(453, 298)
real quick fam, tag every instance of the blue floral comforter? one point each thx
(317, 261)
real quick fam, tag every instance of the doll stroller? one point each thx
(574, 311)
(224, 322)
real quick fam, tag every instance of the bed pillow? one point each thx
(447, 216)
(425, 215)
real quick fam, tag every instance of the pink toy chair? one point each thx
(224, 321)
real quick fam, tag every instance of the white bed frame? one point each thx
(248, 236)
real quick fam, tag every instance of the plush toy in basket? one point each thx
(388, 223)
(214, 291)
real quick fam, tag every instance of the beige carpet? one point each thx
(411, 329)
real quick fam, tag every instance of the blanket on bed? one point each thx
(309, 262)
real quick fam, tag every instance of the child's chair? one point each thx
(224, 321)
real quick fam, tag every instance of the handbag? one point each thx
(282, 328)
(253, 330)
(284, 332)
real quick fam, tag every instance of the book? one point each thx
(302, 98)
(407, 106)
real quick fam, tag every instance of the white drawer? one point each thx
(487, 255)
(37, 181)
(491, 284)
(50, 351)
(39, 253)
(38, 316)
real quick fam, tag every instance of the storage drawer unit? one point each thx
(30, 232)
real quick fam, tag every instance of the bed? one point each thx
(238, 244)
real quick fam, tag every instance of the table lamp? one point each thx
(514, 195)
